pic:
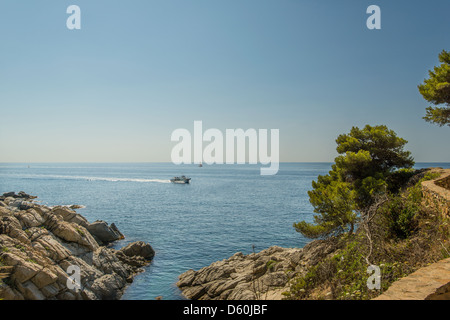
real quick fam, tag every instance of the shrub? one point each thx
(401, 210)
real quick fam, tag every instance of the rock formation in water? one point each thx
(257, 276)
(40, 246)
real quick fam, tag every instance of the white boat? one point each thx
(182, 179)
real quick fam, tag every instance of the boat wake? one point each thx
(110, 179)
(127, 179)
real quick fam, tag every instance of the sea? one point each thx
(225, 209)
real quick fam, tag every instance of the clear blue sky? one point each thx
(139, 69)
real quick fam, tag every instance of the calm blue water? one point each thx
(225, 209)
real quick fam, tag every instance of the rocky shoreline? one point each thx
(420, 262)
(264, 275)
(39, 244)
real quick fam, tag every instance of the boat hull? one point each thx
(180, 182)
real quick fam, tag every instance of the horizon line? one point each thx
(169, 162)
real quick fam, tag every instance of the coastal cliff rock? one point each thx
(258, 276)
(39, 244)
(104, 233)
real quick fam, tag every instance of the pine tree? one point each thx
(369, 159)
(436, 89)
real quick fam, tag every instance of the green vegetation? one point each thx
(399, 233)
(80, 232)
(402, 209)
(368, 165)
(436, 89)
(20, 247)
(370, 211)
(271, 264)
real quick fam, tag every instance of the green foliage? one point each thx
(20, 247)
(385, 150)
(271, 264)
(80, 232)
(404, 235)
(351, 276)
(334, 203)
(402, 209)
(391, 272)
(400, 214)
(399, 179)
(303, 285)
(439, 116)
(346, 274)
(436, 89)
(368, 157)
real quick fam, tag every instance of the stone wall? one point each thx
(431, 282)
(428, 283)
(444, 182)
(436, 192)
